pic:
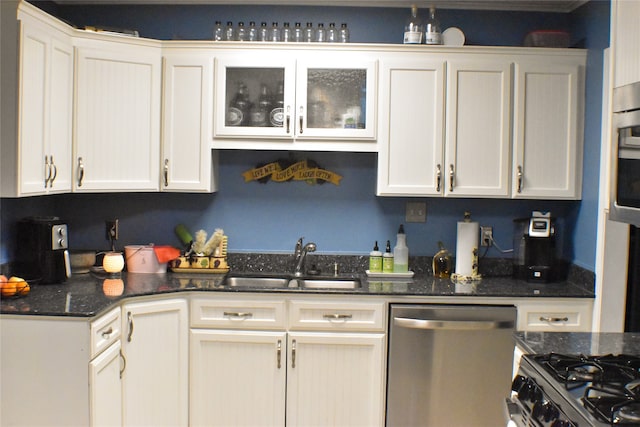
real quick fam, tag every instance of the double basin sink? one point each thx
(259, 281)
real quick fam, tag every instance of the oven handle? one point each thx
(513, 415)
(475, 325)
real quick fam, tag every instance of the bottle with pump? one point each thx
(375, 259)
(401, 252)
(413, 28)
(387, 259)
(432, 33)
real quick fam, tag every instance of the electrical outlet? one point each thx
(486, 236)
(112, 231)
(416, 212)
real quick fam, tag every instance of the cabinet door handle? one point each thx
(80, 171)
(47, 171)
(301, 118)
(438, 177)
(554, 319)
(106, 333)
(238, 314)
(288, 119)
(520, 175)
(54, 168)
(124, 363)
(336, 316)
(279, 354)
(293, 353)
(130, 321)
(166, 172)
(452, 175)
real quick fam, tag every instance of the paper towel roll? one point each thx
(467, 248)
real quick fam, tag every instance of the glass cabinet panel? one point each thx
(254, 97)
(336, 98)
(294, 95)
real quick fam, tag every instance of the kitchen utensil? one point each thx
(82, 261)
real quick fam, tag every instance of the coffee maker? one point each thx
(534, 248)
(42, 249)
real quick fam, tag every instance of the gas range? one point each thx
(557, 390)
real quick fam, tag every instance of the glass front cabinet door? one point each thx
(295, 96)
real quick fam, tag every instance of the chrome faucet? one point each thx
(301, 255)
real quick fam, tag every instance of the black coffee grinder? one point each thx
(534, 248)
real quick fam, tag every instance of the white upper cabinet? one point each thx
(625, 41)
(188, 163)
(295, 99)
(452, 142)
(36, 159)
(411, 137)
(117, 115)
(465, 138)
(548, 127)
(478, 120)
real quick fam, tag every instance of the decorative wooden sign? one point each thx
(286, 170)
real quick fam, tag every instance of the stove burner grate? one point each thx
(612, 406)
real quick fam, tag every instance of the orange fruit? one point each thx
(3, 278)
(9, 289)
(23, 288)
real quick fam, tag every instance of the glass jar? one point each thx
(442, 263)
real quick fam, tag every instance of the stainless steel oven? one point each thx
(624, 203)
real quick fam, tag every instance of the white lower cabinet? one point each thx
(264, 363)
(105, 388)
(155, 346)
(60, 371)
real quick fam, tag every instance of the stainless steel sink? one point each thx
(256, 282)
(333, 283)
(284, 281)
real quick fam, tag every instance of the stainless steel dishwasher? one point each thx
(449, 365)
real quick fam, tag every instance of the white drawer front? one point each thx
(241, 314)
(552, 317)
(104, 331)
(330, 316)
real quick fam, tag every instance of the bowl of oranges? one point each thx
(13, 287)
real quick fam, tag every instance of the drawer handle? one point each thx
(554, 319)
(337, 316)
(279, 354)
(238, 314)
(107, 333)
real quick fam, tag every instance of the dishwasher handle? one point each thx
(460, 325)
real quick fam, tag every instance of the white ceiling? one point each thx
(516, 5)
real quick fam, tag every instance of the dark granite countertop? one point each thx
(578, 343)
(89, 294)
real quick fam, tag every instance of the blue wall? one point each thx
(340, 219)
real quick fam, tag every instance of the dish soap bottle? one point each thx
(375, 260)
(442, 263)
(401, 252)
(387, 259)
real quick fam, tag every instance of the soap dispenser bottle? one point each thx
(401, 252)
(375, 259)
(387, 259)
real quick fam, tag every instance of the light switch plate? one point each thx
(416, 212)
